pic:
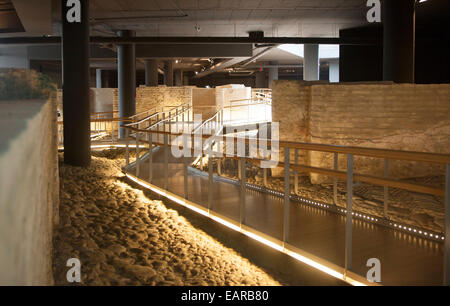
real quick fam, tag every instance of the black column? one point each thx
(399, 40)
(126, 61)
(75, 63)
(151, 72)
(168, 73)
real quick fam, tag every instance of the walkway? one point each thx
(405, 259)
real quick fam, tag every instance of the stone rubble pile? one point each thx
(123, 238)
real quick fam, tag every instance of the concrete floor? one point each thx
(405, 259)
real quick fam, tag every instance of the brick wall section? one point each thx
(151, 97)
(290, 108)
(393, 116)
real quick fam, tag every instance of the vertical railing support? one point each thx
(265, 177)
(239, 169)
(210, 178)
(166, 162)
(335, 180)
(185, 167)
(137, 154)
(219, 166)
(176, 120)
(163, 124)
(296, 172)
(386, 188)
(243, 191)
(112, 129)
(348, 221)
(127, 151)
(287, 194)
(447, 227)
(150, 157)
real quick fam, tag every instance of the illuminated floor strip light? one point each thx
(308, 261)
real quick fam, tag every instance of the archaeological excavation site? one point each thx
(210, 145)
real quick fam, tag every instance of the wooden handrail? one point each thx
(126, 119)
(367, 152)
(98, 113)
(438, 158)
(333, 173)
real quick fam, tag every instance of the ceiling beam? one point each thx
(199, 40)
(53, 52)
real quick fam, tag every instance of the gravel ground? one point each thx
(123, 238)
(416, 209)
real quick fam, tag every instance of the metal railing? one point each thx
(349, 175)
(104, 127)
(256, 109)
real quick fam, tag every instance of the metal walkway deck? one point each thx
(405, 259)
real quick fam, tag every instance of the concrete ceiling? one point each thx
(295, 18)
(230, 18)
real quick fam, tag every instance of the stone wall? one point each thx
(204, 102)
(290, 107)
(29, 191)
(151, 97)
(102, 99)
(378, 115)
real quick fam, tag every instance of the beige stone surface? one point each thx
(393, 116)
(29, 191)
(204, 102)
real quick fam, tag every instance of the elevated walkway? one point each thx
(405, 259)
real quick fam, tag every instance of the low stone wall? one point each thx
(151, 97)
(378, 115)
(29, 191)
(204, 102)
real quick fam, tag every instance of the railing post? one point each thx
(296, 172)
(185, 166)
(447, 227)
(182, 117)
(348, 221)
(335, 180)
(166, 162)
(219, 166)
(150, 157)
(210, 178)
(287, 194)
(163, 124)
(176, 120)
(265, 177)
(137, 154)
(239, 169)
(112, 129)
(127, 151)
(243, 191)
(386, 188)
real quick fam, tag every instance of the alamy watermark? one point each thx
(374, 273)
(73, 275)
(374, 13)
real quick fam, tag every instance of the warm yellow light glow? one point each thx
(101, 146)
(310, 262)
